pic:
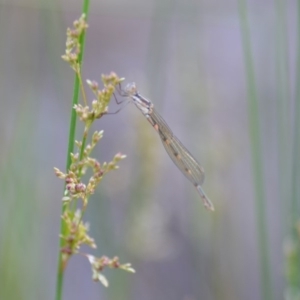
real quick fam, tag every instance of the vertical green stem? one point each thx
(283, 109)
(293, 256)
(254, 128)
(60, 267)
(296, 145)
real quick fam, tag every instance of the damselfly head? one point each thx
(130, 89)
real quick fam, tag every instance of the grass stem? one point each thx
(254, 132)
(60, 266)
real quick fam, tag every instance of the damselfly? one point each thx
(182, 158)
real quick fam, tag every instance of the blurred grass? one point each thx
(283, 105)
(296, 134)
(292, 242)
(19, 212)
(257, 155)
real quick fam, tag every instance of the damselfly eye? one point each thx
(130, 89)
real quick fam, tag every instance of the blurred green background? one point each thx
(224, 76)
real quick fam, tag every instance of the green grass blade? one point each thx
(254, 132)
(296, 145)
(60, 271)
